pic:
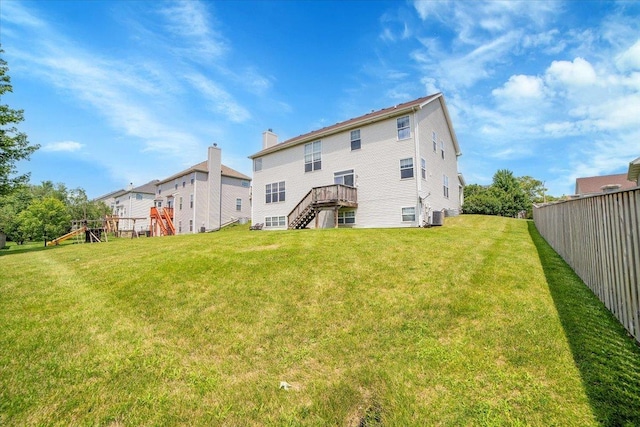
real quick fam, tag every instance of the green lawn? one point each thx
(474, 323)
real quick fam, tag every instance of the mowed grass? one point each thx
(457, 325)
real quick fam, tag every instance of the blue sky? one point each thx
(129, 91)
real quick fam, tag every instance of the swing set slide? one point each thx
(67, 236)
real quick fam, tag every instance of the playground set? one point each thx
(96, 230)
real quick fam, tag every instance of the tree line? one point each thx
(507, 195)
(45, 211)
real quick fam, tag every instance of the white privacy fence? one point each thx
(599, 237)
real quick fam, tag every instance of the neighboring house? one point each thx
(603, 184)
(202, 201)
(134, 202)
(389, 168)
(633, 174)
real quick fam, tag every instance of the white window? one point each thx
(138, 196)
(183, 184)
(313, 156)
(245, 183)
(257, 164)
(346, 217)
(274, 192)
(409, 214)
(445, 185)
(179, 226)
(175, 185)
(159, 190)
(192, 180)
(275, 221)
(190, 225)
(406, 168)
(435, 141)
(345, 178)
(355, 139)
(442, 148)
(423, 168)
(238, 204)
(159, 204)
(191, 201)
(180, 204)
(404, 131)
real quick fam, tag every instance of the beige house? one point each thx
(396, 167)
(132, 202)
(203, 201)
(189, 201)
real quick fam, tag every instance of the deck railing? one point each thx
(328, 195)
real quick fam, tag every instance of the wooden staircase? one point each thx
(162, 221)
(322, 198)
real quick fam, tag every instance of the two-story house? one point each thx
(131, 205)
(389, 168)
(198, 199)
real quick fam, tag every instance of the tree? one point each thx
(534, 191)
(512, 197)
(506, 196)
(49, 189)
(44, 219)
(10, 207)
(14, 144)
(482, 201)
(80, 207)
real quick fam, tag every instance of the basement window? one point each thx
(409, 214)
(346, 217)
(275, 221)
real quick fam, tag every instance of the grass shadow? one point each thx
(607, 357)
(20, 249)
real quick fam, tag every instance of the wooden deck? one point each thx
(319, 198)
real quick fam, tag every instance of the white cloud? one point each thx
(190, 22)
(519, 87)
(629, 59)
(220, 100)
(432, 8)
(455, 72)
(12, 12)
(66, 146)
(579, 72)
(560, 129)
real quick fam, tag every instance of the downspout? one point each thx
(418, 167)
(195, 199)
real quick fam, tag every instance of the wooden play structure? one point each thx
(114, 224)
(98, 230)
(161, 222)
(84, 231)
